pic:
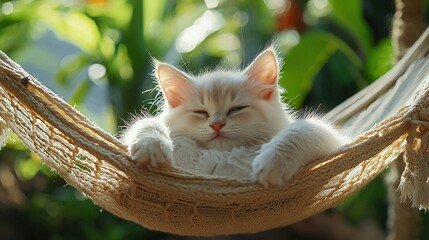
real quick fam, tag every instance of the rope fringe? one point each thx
(414, 184)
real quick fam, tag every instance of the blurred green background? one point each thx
(96, 55)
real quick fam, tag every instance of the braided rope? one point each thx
(403, 220)
(408, 25)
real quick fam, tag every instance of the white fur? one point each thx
(255, 135)
(301, 142)
(149, 143)
(236, 163)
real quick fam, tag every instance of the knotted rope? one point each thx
(403, 220)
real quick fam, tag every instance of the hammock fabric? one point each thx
(187, 203)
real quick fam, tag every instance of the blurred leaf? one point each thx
(305, 60)
(107, 48)
(350, 15)
(74, 27)
(73, 65)
(81, 92)
(152, 12)
(10, 30)
(380, 59)
(114, 14)
(27, 168)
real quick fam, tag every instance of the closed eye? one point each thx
(236, 109)
(201, 113)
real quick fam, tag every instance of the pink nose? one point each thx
(217, 126)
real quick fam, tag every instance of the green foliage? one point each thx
(349, 14)
(306, 59)
(380, 59)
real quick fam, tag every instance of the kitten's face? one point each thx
(222, 110)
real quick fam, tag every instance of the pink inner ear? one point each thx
(173, 98)
(267, 93)
(264, 72)
(174, 83)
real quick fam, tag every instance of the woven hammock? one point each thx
(388, 119)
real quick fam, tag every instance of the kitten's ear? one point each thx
(264, 71)
(174, 83)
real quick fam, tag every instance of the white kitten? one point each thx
(229, 123)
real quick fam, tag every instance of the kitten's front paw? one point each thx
(151, 152)
(272, 167)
